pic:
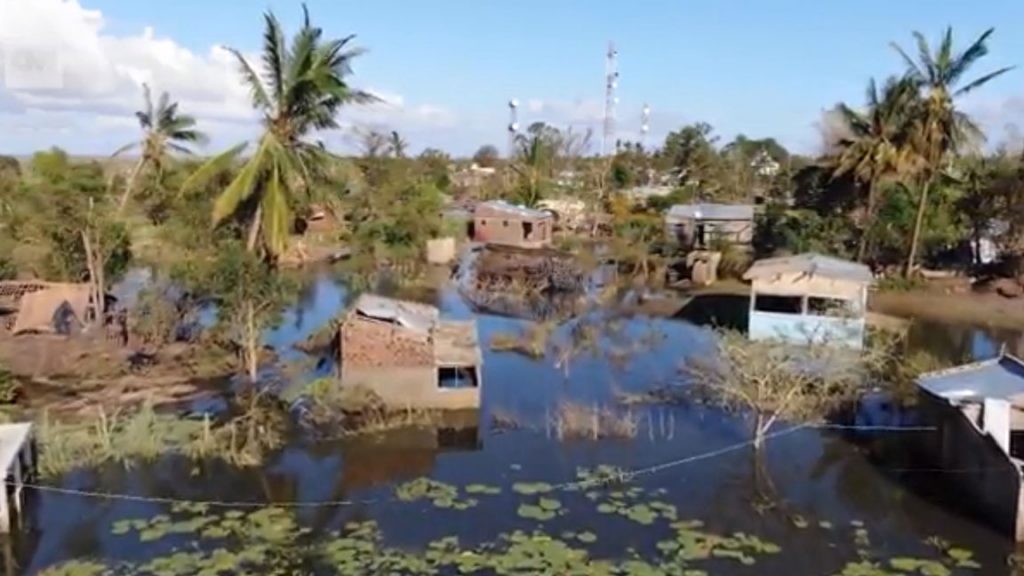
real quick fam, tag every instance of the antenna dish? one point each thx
(513, 103)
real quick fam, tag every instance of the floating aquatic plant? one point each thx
(441, 495)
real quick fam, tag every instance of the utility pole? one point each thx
(610, 99)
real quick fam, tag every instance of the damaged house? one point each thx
(498, 222)
(407, 355)
(977, 411)
(45, 307)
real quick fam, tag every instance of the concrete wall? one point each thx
(739, 232)
(801, 329)
(986, 475)
(414, 387)
(509, 231)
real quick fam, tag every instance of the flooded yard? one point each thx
(684, 495)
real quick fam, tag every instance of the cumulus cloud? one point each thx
(66, 78)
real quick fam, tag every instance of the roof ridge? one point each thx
(964, 367)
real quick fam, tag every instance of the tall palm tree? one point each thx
(299, 89)
(397, 145)
(940, 129)
(532, 165)
(164, 130)
(874, 147)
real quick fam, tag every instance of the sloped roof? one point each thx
(411, 315)
(455, 344)
(810, 264)
(711, 212)
(512, 209)
(1000, 378)
(38, 309)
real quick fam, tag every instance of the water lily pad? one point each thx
(531, 488)
(532, 512)
(550, 504)
(587, 537)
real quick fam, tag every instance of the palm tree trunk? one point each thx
(130, 185)
(918, 222)
(254, 228)
(869, 218)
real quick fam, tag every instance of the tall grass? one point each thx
(574, 421)
(144, 434)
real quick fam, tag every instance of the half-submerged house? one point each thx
(809, 298)
(408, 356)
(978, 414)
(498, 222)
(697, 226)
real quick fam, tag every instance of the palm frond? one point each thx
(212, 167)
(912, 68)
(924, 55)
(125, 148)
(180, 149)
(242, 186)
(274, 47)
(146, 116)
(976, 51)
(257, 90)
(978, 83)
(276, 214)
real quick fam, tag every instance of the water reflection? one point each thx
(813, 475)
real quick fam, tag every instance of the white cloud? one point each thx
(99, 76)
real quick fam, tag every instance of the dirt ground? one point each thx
(972, 308)
(73, 374)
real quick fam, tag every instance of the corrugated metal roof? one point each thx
(1001, 377)
(811, 264)
(711, 212)
(522, 211)
(411, 315)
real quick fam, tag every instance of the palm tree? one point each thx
(397, 144)
(164, 129)
(940, 129)
(532, 165)
(874, 147)
(298, 90)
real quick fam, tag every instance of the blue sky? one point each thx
(763, 69)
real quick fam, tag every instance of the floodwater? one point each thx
(814, 490)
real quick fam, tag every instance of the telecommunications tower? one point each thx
(645, 124)
(610, 99)
(513, 126)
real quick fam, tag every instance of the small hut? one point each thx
(697, 226)
(408, 356)
(498, 222)
(809, 298)
(45, 307)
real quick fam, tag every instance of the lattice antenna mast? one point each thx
(513, 126)
(610, 99)
(645, 124)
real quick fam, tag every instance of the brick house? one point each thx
(408, 356)
(498, 222)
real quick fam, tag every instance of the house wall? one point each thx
(801, 329)
(810, 328)
(988, 478)
(509, 231)
(739, 232)
(371, 344)
(414, 387)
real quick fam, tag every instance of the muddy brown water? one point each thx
(822, 477)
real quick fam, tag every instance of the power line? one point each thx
(624, 476)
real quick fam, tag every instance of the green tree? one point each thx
(536, 153)
(691, 155)
(249, 293)
(397, 145)
(300, 89)
(941, 130)
(875, 147)
(486, 156)
(164, 130)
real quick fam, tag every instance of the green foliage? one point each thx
(487, 156)
(299, 89)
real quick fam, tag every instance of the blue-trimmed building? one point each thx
(809, 298)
